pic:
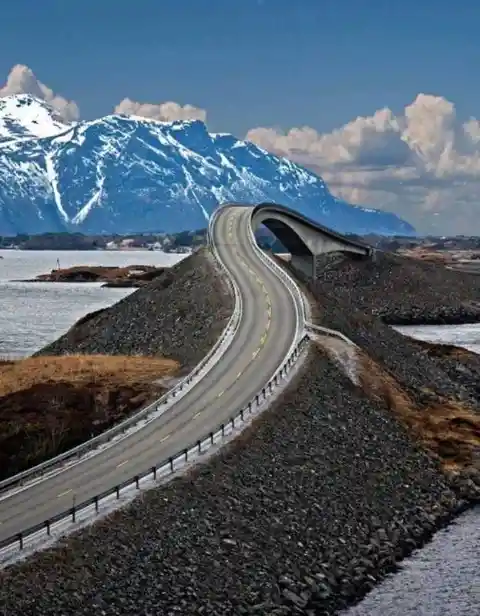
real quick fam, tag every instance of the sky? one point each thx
(380, 98)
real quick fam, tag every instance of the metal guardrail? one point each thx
(326, 331)
(19, 541)
(11, 545)
(170, 396)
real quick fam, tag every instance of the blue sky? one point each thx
(263, 64)
(250, 63)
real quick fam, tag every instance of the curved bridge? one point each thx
(259, 348)
(304, 239)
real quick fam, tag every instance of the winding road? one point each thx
(268, 326)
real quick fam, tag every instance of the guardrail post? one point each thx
(20, 540)
(154, 473)
(241, 415)
(171, 463)
(199, 445)
(211, 438)
(137, 479)
(185, 453)
(264, 393)
(223, 429)
(47, 526)
(74, 516)
(95, 500)
(117, 490)
(232, 421)
(249, 407)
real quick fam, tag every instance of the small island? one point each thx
(111, 276)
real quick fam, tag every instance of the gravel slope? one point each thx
(402, 291)
(179, 315)
(299, 518)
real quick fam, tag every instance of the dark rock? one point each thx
(158, 319)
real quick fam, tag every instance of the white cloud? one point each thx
(164, 112)
(423, 163)
(21, 80)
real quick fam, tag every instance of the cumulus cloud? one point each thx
(21, 80)
(164, 112)
(423, 163)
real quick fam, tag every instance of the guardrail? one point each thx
(83, 511)
(151, 410)
(326, 331)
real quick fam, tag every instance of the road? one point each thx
(266, 331)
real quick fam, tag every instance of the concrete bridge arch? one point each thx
(305, 239)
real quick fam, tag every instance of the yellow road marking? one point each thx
(122, 463)
(64, 493)
(165, 438)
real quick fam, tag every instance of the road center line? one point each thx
(122, 463)
(165, 438)
(64, 493)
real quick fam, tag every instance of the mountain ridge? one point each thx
(120, 174)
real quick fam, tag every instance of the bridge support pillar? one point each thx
(304, 264)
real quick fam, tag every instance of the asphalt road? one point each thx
(265, 334)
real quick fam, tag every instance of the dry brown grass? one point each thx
(50, 404)
(81, 369)
(448, 429)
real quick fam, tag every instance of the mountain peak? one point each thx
(23, 116)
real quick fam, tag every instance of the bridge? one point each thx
(304, 238)
(258, 352)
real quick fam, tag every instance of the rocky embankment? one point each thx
(131, 276)
(402, 291)
(301, 515)
(179, 315)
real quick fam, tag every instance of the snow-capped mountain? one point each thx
(123, 175)
(24, 117)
